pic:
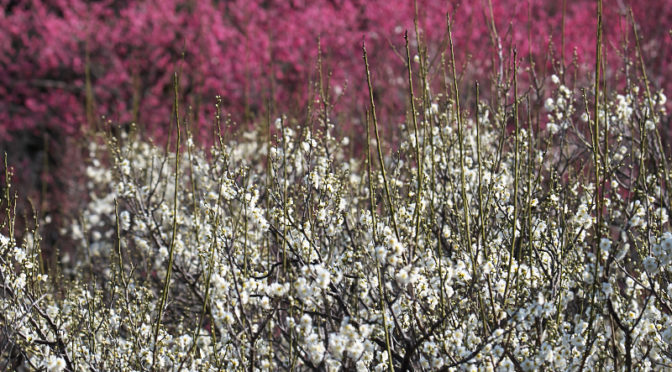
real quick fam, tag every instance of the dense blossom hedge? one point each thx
(250, 52)
(472, 248)
(528, 230)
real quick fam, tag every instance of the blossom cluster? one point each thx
(472, 247)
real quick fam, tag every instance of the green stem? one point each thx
(460, 137)
(375, 257)
(418, 158)
(166, 283)
(515, 172)
(378, 145)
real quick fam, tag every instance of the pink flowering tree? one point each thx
(250, 52)
(65, 64)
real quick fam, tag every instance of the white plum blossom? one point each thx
(278, 249)
(55, 364)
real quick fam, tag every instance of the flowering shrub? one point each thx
(472, 247)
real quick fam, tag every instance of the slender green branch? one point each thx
(171, 254)
(418, 157)
(480, 172)
(379, 272)
(598, 186)
(378, 144)
(460, 138)
(514, 221)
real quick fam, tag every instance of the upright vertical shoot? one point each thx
(379, 270)
(166, 283)
(480, 172)
(460, 138)
(418, 156)
(378, 144)
(596, 122)
(597, 192)
(514, 221)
